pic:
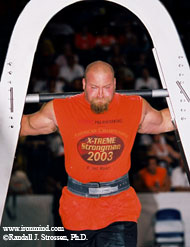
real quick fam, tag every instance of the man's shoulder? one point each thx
(70, 99)
(161, 170)
(128, 98)
(143, 171)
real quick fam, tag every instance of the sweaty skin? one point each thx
(99, 87)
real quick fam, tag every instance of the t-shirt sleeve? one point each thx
(58, 105)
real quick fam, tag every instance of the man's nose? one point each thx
(100, 93)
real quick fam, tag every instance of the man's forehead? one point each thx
(99, 78)
(99, 67)
(99, 70)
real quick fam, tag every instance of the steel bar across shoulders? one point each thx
(45, 97)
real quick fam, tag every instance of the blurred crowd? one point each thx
(78, 35)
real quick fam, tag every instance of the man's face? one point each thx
(99, 88)
(152, 166)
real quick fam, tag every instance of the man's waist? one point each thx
(98, 189)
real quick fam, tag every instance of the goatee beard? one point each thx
(99, 108)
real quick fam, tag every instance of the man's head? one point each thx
(99, 85)
(145, 73)
(152, 164)
(71, 60)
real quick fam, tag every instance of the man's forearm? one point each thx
(167, 124)
(25, 126)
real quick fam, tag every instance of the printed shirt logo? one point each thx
(100, 149)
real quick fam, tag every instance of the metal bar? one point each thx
(45, 97)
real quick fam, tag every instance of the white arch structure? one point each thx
(168, 52)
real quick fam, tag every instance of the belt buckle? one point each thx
(92, 187)
(98, 192)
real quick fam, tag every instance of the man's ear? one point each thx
(115, 83)
(83, 83)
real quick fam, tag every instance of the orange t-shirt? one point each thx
(97, 149)
(151, 179)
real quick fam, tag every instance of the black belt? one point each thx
(98, 189)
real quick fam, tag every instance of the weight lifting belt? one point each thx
(98, 189)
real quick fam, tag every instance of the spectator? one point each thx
(66, 50)
(128, 38)
(57, 86)
(129, 41)
(45, 52)
(179, 180)
(117, 58)
(60, 29)
(19, 182)
(152, 178)
(163, 151)
(105, 40)
(104, 43)
(145, 140)
(85, 42)
(72, 70)
(39, 85)
(77, 85)
(146, 81)
(141, 62)
(125, 78)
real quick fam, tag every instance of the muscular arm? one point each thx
(39, 123)
(153, 121)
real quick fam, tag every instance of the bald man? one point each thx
(98, 128)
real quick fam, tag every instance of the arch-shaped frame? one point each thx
(168, 52)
